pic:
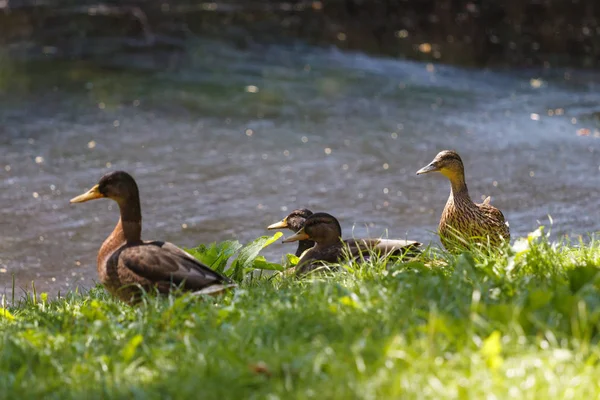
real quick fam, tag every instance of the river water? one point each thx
(224, 141)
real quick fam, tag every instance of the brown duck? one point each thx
(462, 220)
(294, 222)
(126, 263)
(326, 232)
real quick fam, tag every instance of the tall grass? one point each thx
(521, 324)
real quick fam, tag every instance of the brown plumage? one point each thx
(462, 220)
(294, 222)
(126, 263)
(326, 232)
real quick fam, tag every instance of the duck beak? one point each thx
(300, 235)
(279, 225)
(432, 167)
(93, 193)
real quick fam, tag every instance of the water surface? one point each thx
(224, 141)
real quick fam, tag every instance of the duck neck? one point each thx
(458, 186)
(131, 220)
(328, 242)
(127, 230)
(304, 245)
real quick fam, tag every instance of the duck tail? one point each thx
(214, 290)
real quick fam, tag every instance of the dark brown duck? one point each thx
(294, 222)
(126, 263)
(325, 230)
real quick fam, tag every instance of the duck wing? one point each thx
(495, 218)
(492, 213)
(315, 257)
(383, 246)
(163, 264)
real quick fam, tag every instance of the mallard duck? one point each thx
(325, 230)
(462, 220)
(126, 263)
(294, 222)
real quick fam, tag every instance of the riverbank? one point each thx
(524, 324)
(465, 32)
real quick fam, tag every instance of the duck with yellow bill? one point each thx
(127, 265)
(325, 230)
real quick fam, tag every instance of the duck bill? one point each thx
(279, 225)
(430, 168)
(300, 235)
(92, 194)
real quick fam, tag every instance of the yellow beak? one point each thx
(93, 193)
(300, 235)
(279, 225)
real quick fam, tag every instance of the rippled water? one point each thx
(224, 141)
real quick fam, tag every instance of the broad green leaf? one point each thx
(492, 350)
(350, 301)
(248, 254)
(216, 255)
(129, 350)
(291, 260)
(6, 314)
(261, 263)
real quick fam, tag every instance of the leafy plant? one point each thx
(217, 255)
(247, 256)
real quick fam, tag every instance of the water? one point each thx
(224, 141)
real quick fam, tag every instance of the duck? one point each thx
(128, 265)
(294, 222)
(463, 221)
(325, 230)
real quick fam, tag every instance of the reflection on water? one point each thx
(224, 142)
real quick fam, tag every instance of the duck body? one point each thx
(352, 249)
(471, 222)
(325, 230)
(462, 220)
(127, 265)
(124, 268)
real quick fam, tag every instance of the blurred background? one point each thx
(232, 113)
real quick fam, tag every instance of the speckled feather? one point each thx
(472, 222)
(462, 220)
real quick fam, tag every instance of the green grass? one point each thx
(524, 324)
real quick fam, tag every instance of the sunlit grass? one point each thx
(522, 324)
